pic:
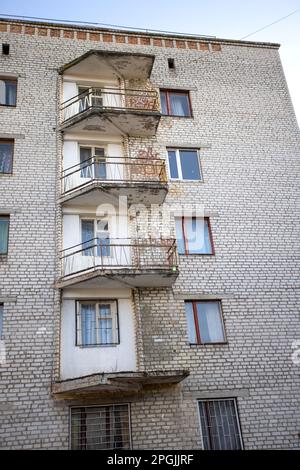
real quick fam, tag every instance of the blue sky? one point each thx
(227, 19)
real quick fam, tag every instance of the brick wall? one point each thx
(246, 128)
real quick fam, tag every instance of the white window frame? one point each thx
(96, 220)
(114, 315)
(234, 399)
(178, 163)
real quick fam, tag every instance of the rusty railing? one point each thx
(110, 98)
(116, 254)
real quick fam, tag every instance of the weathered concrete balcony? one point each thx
(141, 180)
(119, 382)
(114, 263)
(112, 111)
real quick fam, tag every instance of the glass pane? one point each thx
(173, 164)
(210, 322)
(85, 162)
(11, 93)
(179, 236)
(189, 164)
(190, 322)
(88, 324)
(6, 156)
(180, 105)
(197, 235)
(87, 228)
(4, 223)
(163, 99)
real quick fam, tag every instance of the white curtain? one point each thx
(210, 323)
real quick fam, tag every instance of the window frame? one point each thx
(196, 322)
(94, 159)
(9, 141)
(237, 416)
(169, 91)
(95, 248)
(98, 406)
(178, 163)
(8, 234)
(186, 252)
(14, 80)
(78, 332)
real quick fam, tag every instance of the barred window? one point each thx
(100, 428)
(97, 323)
(220, 425)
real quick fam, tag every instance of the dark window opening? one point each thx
(8, 92)
(6, 156)
(171, 64)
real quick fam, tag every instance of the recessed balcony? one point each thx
(115, 263)
(118, 382)
(112, 111)
(103, 179)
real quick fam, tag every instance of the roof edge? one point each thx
(183, 36)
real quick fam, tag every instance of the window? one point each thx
(171, 64)
(4, 228)
(89, 97)
(92, 162)
(6, 156)
(97, 323)
(1, 320)
(8, 92)
(194, 236)
(100, 427)
(175, 103)
(204, 321)
(184, 164)
(220, 425)
(95, 237)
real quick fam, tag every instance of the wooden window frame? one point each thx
(169, 91)
(186, 247)
(196, 322)
(14, 80)
(178, 163)
(9, 141)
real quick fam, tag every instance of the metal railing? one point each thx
(113, 170)
(110, 98)
(117, 253)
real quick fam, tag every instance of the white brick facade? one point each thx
(244, 124)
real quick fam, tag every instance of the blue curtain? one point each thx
(88, 324)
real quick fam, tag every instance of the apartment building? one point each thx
(148, 242)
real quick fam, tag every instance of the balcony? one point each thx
(104, 179)
(119, 382)
(112, 111)
(115, 263)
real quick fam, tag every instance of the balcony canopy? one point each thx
(109, 65)
(119, 382)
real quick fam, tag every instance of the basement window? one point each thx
(100, 427)
(194, 236)
(6, 156)
(220, 427)
(205, 322)
(8, 91)
(97, 323)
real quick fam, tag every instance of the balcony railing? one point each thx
(113, 170)
(120, 254)
(110, 99)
